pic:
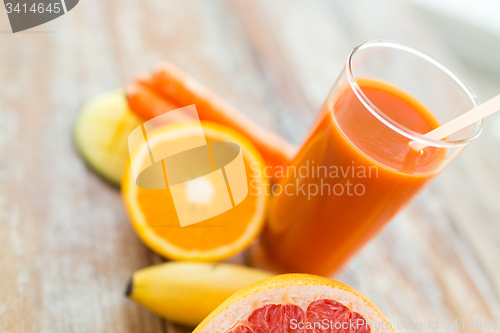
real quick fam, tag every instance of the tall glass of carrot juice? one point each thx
(355, 170)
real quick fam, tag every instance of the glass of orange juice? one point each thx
(356, 171)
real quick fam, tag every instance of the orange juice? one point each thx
(351, 176)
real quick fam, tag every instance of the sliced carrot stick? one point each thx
(178, 87)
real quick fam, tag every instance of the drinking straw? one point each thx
(482, 111)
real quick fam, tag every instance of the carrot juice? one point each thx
(350, 177)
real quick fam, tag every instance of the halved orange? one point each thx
(297, 303)
(154, 217)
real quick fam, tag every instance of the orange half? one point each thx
(154, 217)
(296, 303)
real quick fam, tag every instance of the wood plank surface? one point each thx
(66, 247)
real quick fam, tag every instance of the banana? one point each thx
(187, 292)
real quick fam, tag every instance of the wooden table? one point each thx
(66, 247)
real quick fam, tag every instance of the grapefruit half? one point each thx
(296, 303)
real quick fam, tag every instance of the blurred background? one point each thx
(66, 247)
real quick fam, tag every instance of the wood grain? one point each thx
(66, 247)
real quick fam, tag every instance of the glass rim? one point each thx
(389, 122)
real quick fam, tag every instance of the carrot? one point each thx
(145, 102)
(175, 86)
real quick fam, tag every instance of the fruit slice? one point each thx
(101, 134)
(154, 216)
(186, 292)
(296, 303)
